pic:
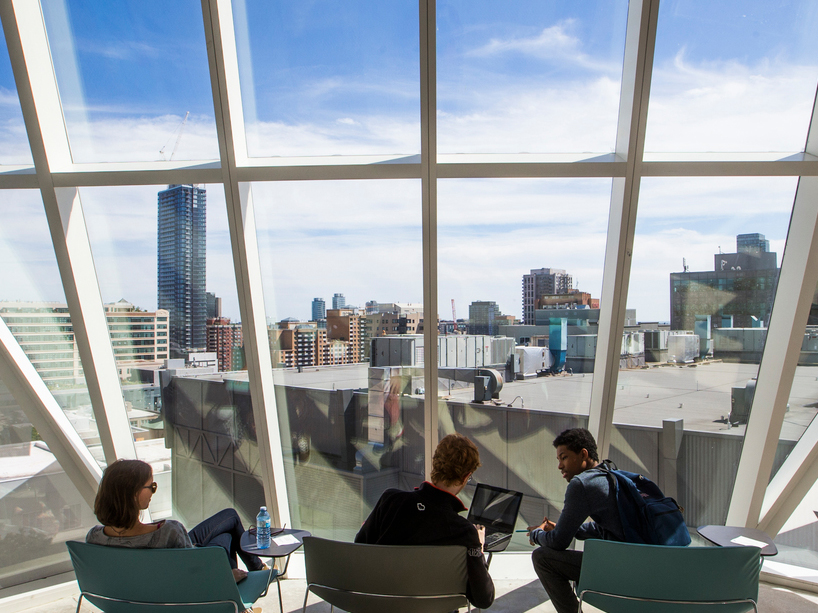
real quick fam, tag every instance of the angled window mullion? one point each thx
(630, 141)
(37, 402)
(428, 179)
(224, 77)
(796, 288)
(40, 103)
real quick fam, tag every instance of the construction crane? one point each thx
(180, 129)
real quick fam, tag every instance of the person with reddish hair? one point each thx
(429, 515)
(126, 489)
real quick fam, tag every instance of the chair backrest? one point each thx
(157, 576)
(695, 574)
(366, 578)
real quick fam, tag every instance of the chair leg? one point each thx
(280, 601)
(79, 602)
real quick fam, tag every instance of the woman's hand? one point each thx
(239, 575)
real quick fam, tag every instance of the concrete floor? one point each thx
(516, 586)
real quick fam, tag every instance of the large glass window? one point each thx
(133, 79)
(527, 293)
(528, 76)
(519, 260)
(706, 258)
(342, 280)
(33, 306)
(165, 268)
(732, 76)
(39, 507)
(329, 78)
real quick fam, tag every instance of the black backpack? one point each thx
(647, 515)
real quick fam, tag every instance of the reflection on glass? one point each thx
(329, 78)
(39, 507)
(797, 541)
(731, 76)
(705, 268)
(528, 76)
(15, 148)
(133, 80)
(32, 304)
(341, 263)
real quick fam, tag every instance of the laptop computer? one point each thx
(496, 509)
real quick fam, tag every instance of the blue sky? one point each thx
(341, 78)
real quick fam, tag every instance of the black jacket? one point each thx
(429, 516)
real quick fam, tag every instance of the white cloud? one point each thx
(365, 135)
(120, 50)
(9, 98)
(139, 139)
(555, 44)
(729, 106)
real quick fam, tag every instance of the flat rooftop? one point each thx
(698, 393)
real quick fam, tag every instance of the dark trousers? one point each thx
(224, 530)
(556, 569)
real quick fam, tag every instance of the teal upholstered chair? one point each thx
(374, 578)
(625, 577)
(123, 580)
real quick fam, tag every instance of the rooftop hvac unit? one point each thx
(682, 348)
(487, 384)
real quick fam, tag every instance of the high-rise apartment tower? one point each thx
(319, 309)
(181, 260)
(543, 281)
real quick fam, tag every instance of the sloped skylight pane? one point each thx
(128, 75)
(14, 147)
(528, 76)
(733, 76)
(329, 78)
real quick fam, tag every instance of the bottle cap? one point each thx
(263, 509)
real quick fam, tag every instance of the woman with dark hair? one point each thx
(126, 489)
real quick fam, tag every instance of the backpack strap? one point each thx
(607, 465)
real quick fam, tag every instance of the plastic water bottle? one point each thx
(263, 529)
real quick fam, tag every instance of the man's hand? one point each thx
(239, 574)
(481, 533)
(546, 525)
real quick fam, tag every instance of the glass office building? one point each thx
(181, 265)
(412, 151)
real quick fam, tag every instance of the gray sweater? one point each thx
(171, 534)
(588, 495)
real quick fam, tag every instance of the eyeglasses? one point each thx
(469, 478)
(152, 487)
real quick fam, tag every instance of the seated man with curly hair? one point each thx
(429, 515)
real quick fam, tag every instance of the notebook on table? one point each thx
(496, 509)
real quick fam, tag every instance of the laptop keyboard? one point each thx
(493, 539)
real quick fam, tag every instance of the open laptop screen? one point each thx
(495, 507)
